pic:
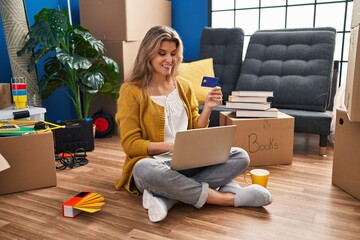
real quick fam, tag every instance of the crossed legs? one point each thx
(161, 185)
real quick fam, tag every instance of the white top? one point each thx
(176, 118)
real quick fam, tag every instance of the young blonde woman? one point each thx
(154, 105)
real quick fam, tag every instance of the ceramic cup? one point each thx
(258, 176)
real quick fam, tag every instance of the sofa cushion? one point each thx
(310, 121)
(294, 63)
(194, 72)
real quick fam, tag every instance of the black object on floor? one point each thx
(76, 134)
(104, 123)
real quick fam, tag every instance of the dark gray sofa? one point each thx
(298, 65)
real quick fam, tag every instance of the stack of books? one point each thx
(251, 104)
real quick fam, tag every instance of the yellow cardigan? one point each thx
(142, 121)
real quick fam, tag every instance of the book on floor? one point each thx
(253, 93)
(232, 98)
(84, 201)
(251, 106)
(269, 113)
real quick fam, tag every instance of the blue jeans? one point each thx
(188, 186)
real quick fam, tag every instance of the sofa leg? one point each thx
(322, 151)
(323, 145)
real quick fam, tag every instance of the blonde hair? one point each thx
(142, 70)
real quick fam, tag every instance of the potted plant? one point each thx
(73, 58)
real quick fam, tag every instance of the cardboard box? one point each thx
(32, 162)
(352, 88)
(123, 20)
(5, 95)
(355, 20)
(346, 161)
(269, 141)
(124, 53)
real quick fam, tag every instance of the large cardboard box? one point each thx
(32, 162)
(123, 20)
(124, 53)
(346, 161)
(352, 88)
(5, 96)
(269, 141)
(355, 20)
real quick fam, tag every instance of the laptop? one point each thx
(202, 147)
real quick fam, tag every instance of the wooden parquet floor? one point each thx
(305, 205)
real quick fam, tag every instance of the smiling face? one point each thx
(164, 59)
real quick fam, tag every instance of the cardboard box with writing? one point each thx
(346, 161)
(269, 141)
(352, 88)
(5, 96)
(32, 162)
(123, 20)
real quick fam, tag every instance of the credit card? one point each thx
(209, 82)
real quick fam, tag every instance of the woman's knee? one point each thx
(241, 157)
(142, 168)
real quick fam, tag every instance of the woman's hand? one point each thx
(214, 98)
(155, 148)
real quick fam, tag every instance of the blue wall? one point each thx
(58, 105)
(188, 18)
(5, 73)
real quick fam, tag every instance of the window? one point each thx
(253, 15)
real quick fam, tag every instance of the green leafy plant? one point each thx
(73, 58)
